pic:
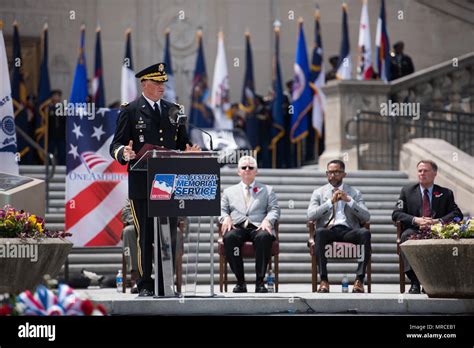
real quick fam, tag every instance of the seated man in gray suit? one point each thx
(249, 211)
(340, 212)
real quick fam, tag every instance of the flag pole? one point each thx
(298, 153)
(274, 157)
(46, 129)
(317, 145)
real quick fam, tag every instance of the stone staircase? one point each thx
(293, 187)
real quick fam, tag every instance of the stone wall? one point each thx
(455, 168)
(431, 35)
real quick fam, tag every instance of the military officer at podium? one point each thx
(146, 121)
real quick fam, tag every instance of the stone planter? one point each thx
(443, 266)
(24, 262)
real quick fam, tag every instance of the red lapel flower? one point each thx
(255, 189)
(437, 194)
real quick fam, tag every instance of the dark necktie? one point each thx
(331, 220)
(426, 204)
(157, 109)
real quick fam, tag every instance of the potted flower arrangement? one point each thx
(455, 230)
(28, 251)
(443, 258)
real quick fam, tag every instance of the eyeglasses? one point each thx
(335, 173)
(247, 167)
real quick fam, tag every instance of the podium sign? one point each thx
(184, 186)
(179, 184)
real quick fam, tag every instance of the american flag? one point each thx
(91, 159)
(96, 185)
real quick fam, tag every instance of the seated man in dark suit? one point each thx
(340, 212)
(249, 211)
(420, 206)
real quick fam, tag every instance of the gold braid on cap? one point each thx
(156, 76)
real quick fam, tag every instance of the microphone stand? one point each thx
(209, 135)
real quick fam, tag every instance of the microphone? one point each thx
(178, 118)
(209, 135)
(175, 115)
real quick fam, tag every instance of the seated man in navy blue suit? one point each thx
(422, 205)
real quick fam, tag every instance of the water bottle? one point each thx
(345, 284)
(270, 281)
(119, 281)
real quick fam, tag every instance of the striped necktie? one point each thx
(332, 219)
(247, 195)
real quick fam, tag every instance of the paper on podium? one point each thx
(148, 147)
(146, 152)
(149, 150)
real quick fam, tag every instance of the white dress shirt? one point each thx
(152, 103)
(340, 218)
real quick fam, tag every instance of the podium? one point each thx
(23, 192)
(179, 184)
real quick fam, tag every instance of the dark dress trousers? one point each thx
(143, 125)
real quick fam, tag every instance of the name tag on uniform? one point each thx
(140, 126)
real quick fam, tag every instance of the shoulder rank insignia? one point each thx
(123, 105)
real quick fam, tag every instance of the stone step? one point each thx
(289, 218)
(306, 197)
(38, 169)
(299, 227)
(316, 182)
(270, 178)
(300, 207)
(377, 195)
(295, 238)
(389, 248)
(292, 268)
(203, 278)
(306, 188)
(249, 266)
(58, 184)
(57, 206)
(96, 250)
(285, 211)
(116, 257)
(294, 188)
(316, 173)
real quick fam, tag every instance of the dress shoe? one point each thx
(323, 286)
(134, 289)
(414, 288)
(145, 293)
(358, 286)
(240, 287)
(260, 288)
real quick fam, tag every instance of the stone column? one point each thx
(470, 87)
(343, 99)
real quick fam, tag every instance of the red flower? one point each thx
(436, 193)
(255, 189)
(87, 307)
(5, 310)
(101, 308)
